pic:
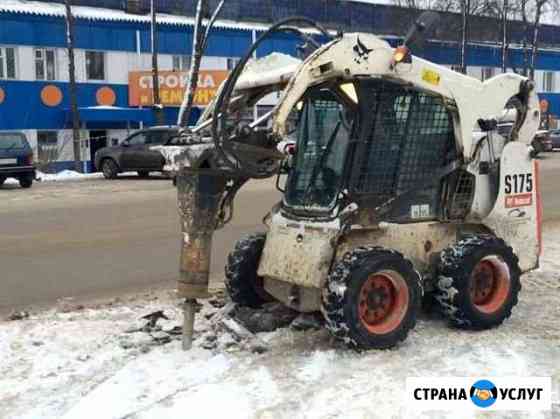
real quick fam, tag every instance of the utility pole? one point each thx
(466, 6)
(157, 106)
(73, 87)
(504, 36)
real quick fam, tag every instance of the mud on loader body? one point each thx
(396, 187)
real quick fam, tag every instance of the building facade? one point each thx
(113, 47)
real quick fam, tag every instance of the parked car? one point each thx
(555, 138)
(134, 153)
(541, 142)
(16, 158)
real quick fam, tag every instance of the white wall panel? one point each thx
(214, 63)
(26, 63)
(62, 64)
(165, 62)
(80, 62)
(116, 67)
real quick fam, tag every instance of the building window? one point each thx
(548, 82)
(232, 62)
(47, 146)
(95, 65)
(45, 64)
(181, 62)
(7, 63)
(487, 73)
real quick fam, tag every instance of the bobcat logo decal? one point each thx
(361, 51)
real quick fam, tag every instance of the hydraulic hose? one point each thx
(222, 103)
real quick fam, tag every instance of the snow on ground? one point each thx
(65, 176)
(74, 362)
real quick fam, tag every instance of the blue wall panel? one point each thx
(23, 108)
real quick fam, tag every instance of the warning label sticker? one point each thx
(519, 200)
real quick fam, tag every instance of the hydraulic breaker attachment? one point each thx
(199, 194)
(199, 197)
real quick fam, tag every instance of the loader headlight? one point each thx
(402, 55)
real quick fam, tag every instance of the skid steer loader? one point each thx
(397, 187)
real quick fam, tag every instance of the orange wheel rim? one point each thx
(383, 302)
(490, 284)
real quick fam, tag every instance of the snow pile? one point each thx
(63, 176)
(76, 362)
(66, 175)
(272, 69)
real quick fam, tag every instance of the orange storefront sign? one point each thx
(172, 86)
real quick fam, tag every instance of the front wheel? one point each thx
(243, 284)
(478, 282)
(26, 181)
(371, 298)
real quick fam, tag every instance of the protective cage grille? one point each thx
(408, 136)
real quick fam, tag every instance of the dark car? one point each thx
(555, 138)
(16, 159)
(542, 142)
(134, 153)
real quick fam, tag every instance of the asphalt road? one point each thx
(97, 238)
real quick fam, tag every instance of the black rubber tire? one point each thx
(144, 174)
(340, 297)
(454, 277)
(109, 168)
(26, 181)
(243, 284)
(2, 180)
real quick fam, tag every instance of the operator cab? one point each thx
(375, 142)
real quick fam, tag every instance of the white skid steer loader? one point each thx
(398, 186)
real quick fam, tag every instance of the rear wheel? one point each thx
(143, 173)
(109, 168)
(26, 181)
(372, 298)
(478, 282)
(243, 284)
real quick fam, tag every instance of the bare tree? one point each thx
(505, 44)
(531, 13)
(158, 107)
(539, 4)
(73, 87)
